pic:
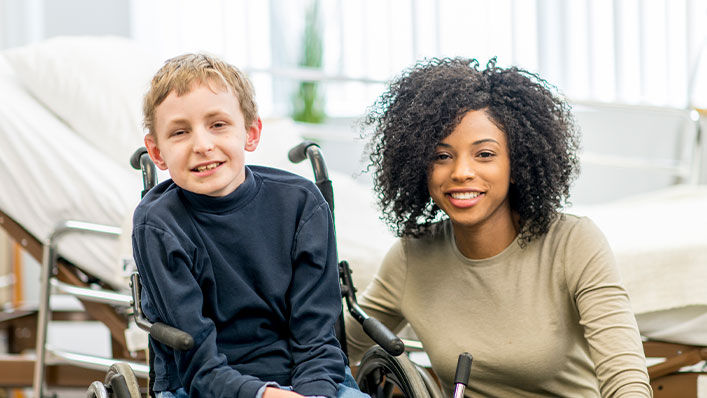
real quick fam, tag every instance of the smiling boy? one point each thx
(243, 258)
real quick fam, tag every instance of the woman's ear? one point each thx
(154, 152)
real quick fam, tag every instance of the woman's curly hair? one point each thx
(424, 104)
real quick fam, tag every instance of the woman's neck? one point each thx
(488, 239)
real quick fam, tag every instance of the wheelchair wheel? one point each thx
(122, 381)
(430, 383)
(97, 390)
(380, 374)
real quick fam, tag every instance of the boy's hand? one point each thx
(274, 392)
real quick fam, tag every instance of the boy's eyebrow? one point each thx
(215, 113)
(175, 123)
(181, 120)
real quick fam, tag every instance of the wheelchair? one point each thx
(384, 370)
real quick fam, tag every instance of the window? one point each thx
(628, 51)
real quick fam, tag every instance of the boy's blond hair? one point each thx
(178, 74)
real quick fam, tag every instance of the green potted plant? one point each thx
(308, 101)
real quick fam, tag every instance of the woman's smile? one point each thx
(463, 199)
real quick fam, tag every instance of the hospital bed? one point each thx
(69, 120)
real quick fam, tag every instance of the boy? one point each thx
(243, 258)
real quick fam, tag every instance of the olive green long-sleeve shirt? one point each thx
(548, 319)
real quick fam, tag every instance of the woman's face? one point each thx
(470, 174)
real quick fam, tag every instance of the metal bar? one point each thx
(643, 57)
(637, 163)
(139, 317)
(94, 295)
(414, 34)
(311, 74)
(438, 28)
(697, 150)
(82, 226)
(42, 320)
(618, 50)
(591, 56)
(93, 362)
(49, 261)
(413, 345)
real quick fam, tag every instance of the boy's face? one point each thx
(200, 138)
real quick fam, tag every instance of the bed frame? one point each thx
(56, 368)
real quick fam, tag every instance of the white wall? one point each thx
(27, 21)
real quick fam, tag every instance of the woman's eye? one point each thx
(442, 156)
(486, 154)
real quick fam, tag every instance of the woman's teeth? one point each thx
(464, 195)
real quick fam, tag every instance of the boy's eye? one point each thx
(177, 133)
(219, 124)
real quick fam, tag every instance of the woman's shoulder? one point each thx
(570, 225)
(437, 238)
(576, 236)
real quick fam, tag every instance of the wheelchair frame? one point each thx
(387, 368)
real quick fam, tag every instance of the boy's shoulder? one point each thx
(161, 201)
(282, 179)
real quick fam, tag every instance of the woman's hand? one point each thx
(274, 392)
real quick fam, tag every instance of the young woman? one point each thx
(472, 167)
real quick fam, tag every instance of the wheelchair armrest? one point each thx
(165, 334)
(373, 327)
(383, 336)
(173, 337)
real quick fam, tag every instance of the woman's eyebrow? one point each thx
(477, 142)
(484, 140)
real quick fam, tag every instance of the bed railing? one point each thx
(48, 281)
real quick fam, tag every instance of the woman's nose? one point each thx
(463, 170)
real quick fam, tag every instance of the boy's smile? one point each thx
(200, 137)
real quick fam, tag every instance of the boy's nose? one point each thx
(203, 141)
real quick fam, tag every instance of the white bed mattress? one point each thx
(50, 174)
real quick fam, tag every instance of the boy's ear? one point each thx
(154, 152)
(252, 135)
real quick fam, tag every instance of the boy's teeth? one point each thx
(465, 195)
(207, 167)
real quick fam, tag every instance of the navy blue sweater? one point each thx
(251, 276)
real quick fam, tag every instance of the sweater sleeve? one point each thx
(381, 300)
(172, 295)
(315, 305)
(605, 313)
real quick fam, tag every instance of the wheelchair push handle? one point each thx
(140, 160)
(310, 150)
(298, 153)
(135, 157)
(461, 377)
